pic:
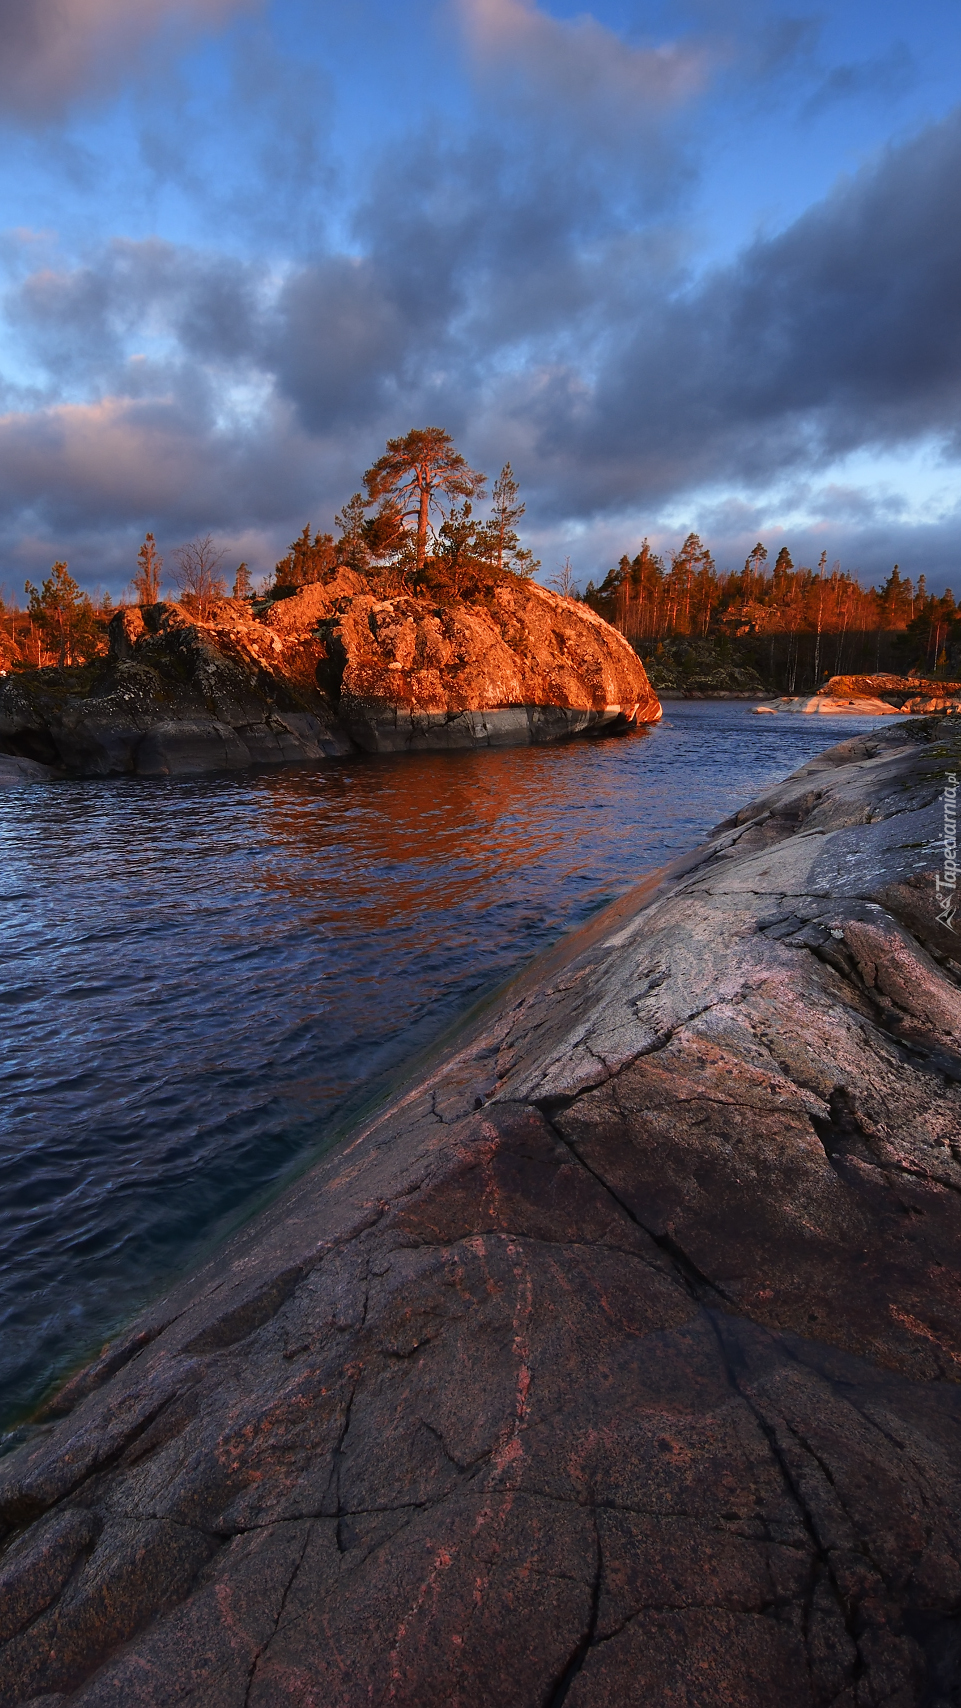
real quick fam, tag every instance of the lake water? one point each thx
(196, 974)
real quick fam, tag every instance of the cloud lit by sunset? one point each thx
(695, 269)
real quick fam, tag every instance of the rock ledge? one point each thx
(615, 1362)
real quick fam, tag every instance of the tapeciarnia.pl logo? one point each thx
(946, 881)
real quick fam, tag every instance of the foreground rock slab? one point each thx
(614, 1362)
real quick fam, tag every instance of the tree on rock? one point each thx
(415, 475)
(146, 580)
(354, 544)
(197, 574)
(502, 546)
(457, 557)
(308, 560)
(64, 615)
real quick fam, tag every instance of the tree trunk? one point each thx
(422, 525)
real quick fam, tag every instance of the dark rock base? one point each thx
(383, 728)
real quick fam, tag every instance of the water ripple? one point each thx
(196, 973)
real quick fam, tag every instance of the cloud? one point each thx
(56, 50)
(841, 331)
(579, 63)
(181, 390)
(604, 108)
(888, 75)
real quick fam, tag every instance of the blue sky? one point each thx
(686, 266)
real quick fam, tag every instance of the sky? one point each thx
(689, 266)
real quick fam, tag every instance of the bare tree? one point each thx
(196, 574)
(563, 581)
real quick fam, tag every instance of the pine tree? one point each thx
(417, 474)
(64, 614)
(499, 537)
(243, 585)
(308, 560)
(457, 556)
(353, 547)
(146, 581)
(753, 565)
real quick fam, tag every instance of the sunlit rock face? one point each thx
(819, 704)
(613, 1361)
(898, 693)
(326, 670)
(526, 666)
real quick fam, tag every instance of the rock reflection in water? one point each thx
(198, 972)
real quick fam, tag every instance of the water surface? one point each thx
(195, 974)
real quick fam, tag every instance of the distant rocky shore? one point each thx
(615, 1361)
(322, 673)
(873, 696)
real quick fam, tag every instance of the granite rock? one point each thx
(321, 673)
(614, 1361)
(16, 770)
(906, 693)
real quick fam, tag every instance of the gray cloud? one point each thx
(888, 75)
(499, 294)
(56, 50)
(579, 69)
(841, 332)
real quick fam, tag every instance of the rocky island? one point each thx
(613, 1360)
(323, 672)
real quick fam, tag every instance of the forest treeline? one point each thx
(417, 528)
(414, 529)
(793, 625)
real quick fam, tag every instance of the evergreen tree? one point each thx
(753, 565)
(498, 539)
(243, 585)
(895, 601)
(64, 615)
(146, 580)
(457, 556)
(308, 560)
(354, 546)
(417, 474)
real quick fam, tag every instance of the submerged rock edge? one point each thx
(617, 1357)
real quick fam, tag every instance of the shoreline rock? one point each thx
(908, 693)
(322, 674)
(614, 1361)
(15, 771)
(823, 705)
(873, 696)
